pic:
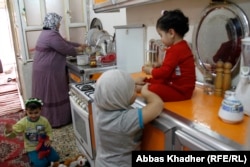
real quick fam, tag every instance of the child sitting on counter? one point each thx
(173, 79)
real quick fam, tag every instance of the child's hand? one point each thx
(145, 91)
(8, 128)
(156, 64)
(140, 80)
(147, 69)
(47, 143)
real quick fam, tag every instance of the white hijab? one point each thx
(114, 89)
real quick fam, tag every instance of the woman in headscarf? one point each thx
(118, 126)
(49, 79)
(230, 50)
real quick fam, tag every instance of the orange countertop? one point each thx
(203, 109)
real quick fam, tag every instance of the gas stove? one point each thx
(83, 90)
(81, 97)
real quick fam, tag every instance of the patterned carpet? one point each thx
(12, 153)
(64, 142)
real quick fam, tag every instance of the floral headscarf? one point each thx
(51, 21)
(113, 90)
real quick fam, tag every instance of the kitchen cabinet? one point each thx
(84, 73)
(114, 5)
(158, 136)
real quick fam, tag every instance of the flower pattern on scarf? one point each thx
(51, 21)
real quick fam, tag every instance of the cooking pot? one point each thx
(82, 59)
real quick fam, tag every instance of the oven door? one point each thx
(80, 121)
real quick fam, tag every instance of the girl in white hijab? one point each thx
(119, 126)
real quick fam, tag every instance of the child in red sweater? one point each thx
(173, 79)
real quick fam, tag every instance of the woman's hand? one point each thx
(81, 48)
(139, 82)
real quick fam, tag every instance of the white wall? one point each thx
(191, 8)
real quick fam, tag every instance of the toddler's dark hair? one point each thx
(174, 19)
(33, 103)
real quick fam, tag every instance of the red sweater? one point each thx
(175, 79)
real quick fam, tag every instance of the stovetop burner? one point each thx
(83, 87)
(85, 90)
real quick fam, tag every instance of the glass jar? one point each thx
(208, 82)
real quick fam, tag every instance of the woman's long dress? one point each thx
(49, 78)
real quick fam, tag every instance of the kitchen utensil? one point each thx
(105, 43)
(108, 59)
(94, 35)
(156, 52)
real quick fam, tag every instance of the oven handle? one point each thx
(77, 107)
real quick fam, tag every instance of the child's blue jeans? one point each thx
(52, 157)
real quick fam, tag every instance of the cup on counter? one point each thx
(208, 83)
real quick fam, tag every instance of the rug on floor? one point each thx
(9, 98)
(12, 152)
(64, 142)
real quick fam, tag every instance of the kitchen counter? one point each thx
(85, 73)
(200, 114)
(82, 69)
